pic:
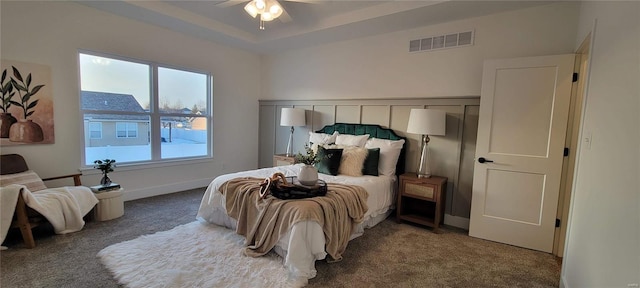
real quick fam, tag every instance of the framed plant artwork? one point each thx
(26, 104)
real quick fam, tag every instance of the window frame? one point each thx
(91, 130)
(154, 113)
(126, 129)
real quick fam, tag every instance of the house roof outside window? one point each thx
(104, 101)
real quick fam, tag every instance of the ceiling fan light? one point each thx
(266, 16)
(275, 10)
(260, 4)
(251, 9)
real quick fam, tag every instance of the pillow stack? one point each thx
(389, 153)
(355, 155)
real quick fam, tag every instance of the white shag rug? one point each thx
(193, 255)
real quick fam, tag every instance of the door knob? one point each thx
(483, 160)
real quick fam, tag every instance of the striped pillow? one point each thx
(27, 178)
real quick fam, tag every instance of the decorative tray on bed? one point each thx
(292, 189)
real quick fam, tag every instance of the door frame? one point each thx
(576, 109)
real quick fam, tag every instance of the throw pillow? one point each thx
(352, 140)
(370, 165)
(329, 160)
(27, 178)
(352, 161)
(389, 153)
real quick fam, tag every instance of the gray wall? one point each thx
(452, 155)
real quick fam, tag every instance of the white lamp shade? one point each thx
(427, 122)
(292, 117)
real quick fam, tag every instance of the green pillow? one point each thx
(370, 166)
(330, 160)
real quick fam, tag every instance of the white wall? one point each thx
(381, 66)
(51, 32)
(603, 241)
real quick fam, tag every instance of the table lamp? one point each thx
(426, 122)
(292, 117)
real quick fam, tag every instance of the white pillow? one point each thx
(352, 161)
(322, 138)
(352, 140)
(389, 153)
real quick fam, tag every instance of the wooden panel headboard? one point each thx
(375, 131)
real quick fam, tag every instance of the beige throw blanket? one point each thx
(64, 207)
(263, 222)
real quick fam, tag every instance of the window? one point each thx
(137, 112)
(95, 130)
(126, 130)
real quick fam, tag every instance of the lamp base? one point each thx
(424, 170)
(290, 144)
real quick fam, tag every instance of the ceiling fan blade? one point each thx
(229, 3)
(285, 17)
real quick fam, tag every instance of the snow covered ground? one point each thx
(176, 148)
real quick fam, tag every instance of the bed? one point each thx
(304, 243)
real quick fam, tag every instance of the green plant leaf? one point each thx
(7, 87)
(33, 104)
(26, 97)
(30, 113)
(17, 85)
(16, 74)
(36, 89)
(29, 80)
(4, 75)
(16, 103)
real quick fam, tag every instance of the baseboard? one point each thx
(456, 221)
(165, 189)
(563, 282)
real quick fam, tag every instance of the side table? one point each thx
(283, 159)
(421, 200)
(110, 206)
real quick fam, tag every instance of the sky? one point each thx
(178, 88)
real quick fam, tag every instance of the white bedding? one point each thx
(304, 244)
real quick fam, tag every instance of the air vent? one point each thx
(442, 41)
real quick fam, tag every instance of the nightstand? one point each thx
(283, 159)
(421, 200)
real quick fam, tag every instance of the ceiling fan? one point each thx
(268, 10)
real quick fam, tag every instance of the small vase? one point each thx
(6, 120)
(105, 181)
(308, 175)
(26, 131)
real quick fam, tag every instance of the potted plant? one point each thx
(6, 119)
(308, 173)
(25, 130)
(105, 166)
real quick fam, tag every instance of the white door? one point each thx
(524, 106)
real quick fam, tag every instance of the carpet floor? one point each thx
(388, 255)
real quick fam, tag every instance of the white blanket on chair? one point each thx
(63, 207)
